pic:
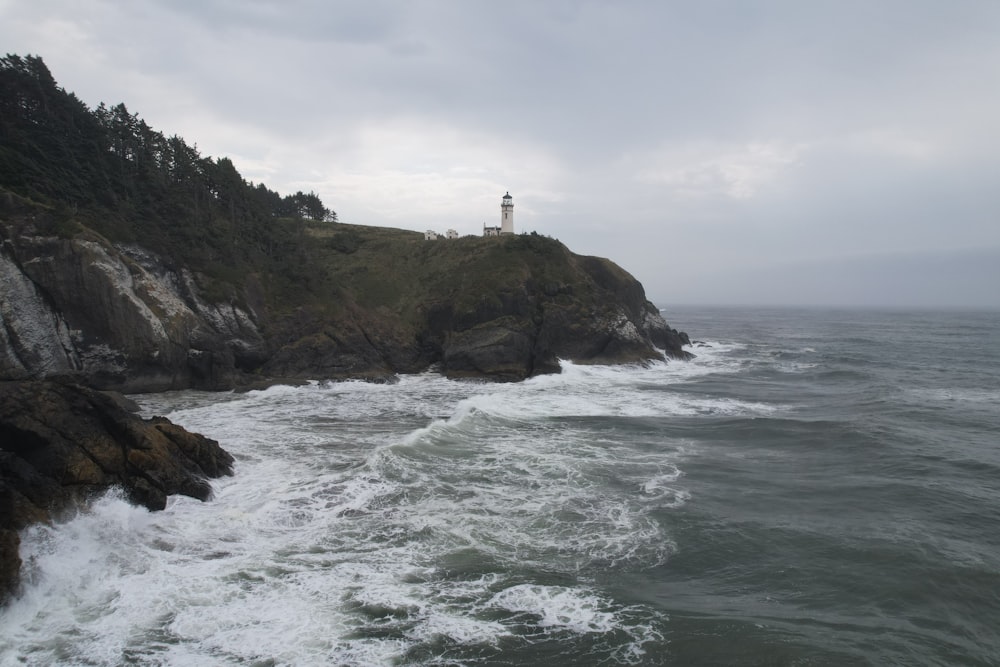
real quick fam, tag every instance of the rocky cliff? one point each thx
(60, 442)
(114, 317)
(128, 261)
(377, 302)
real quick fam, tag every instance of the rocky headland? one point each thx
(381, 301)
(130, 263)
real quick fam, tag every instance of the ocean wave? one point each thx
(956, 394)
(366, 521)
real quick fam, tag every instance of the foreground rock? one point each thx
(61, 443)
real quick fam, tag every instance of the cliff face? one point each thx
(113, 317)
(587, 310)
(377, 302)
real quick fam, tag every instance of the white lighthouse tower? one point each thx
(507, 215)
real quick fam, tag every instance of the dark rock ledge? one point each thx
(60, 443)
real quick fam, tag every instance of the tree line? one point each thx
(133, 183)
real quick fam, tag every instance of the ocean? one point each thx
(816, 487)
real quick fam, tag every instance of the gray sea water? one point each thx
(817, 487)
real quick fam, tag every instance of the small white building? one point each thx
(490, 231)
(452, 234)
(431, 235)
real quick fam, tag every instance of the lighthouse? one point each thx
(507, 215)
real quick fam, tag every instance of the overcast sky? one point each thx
(800, 152)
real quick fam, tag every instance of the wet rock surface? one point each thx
(60, 443)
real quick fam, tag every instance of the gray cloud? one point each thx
(701, 140)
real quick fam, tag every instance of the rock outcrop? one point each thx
(549, 304)
(121, 317)
(114, 317)
(61, 443)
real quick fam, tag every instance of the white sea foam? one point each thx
(579, 610)
(956, 394)
(557, 606)
(368, 520)
(612, 391)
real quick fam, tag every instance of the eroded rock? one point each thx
(60, 443)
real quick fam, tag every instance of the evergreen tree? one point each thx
(131, 182)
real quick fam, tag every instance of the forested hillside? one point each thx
(109, 170)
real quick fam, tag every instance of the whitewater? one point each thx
(802, 492)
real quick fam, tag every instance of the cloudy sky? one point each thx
(773, 152)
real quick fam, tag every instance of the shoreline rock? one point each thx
(61, 443)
